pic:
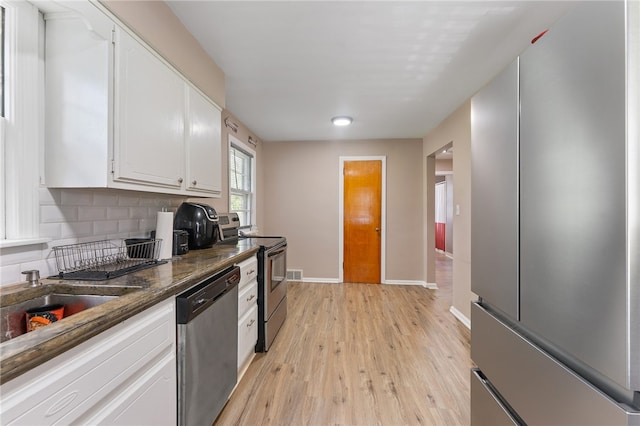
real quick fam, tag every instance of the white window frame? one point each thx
(23, 126)
(246, 148)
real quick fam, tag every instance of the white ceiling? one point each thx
(397, 67)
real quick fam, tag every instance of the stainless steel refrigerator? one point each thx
(555, 228)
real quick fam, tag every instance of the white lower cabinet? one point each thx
(125, 375)
(247, 314)
(247, 338)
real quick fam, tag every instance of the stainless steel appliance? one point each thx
(200, 221)
(272, 277)
(556, 228)
(207, 318)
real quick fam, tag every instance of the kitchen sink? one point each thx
(12, 316)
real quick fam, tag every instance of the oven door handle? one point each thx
(277, 252)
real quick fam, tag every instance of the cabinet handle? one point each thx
(194, 183)
(250, 298)
(250, 272)
(251, 323)
(180, 180)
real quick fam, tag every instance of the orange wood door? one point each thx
(362, 221)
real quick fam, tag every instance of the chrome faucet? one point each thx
(33, 277)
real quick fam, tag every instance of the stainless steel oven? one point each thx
(274, 292)
(272, 277)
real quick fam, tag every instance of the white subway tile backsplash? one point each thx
(115, 213)
(77, 229)
(92, 213)
(105, 199)
(77, 197)
(56, 213)
(70, 216)
(129, 201)
(149, 202)
(105, 227)
(49, 196)
(147, 225)
(10, 274)
(51, 230)
(129, 225)
(138, 212)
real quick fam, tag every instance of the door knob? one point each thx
(378, 230)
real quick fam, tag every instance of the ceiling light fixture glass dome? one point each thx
(341, 120)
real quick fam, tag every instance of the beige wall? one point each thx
(155, 23)
(222, 204)
(456, 128)
(444, 166)
(301, 202)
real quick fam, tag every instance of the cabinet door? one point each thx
(79, 64)
(247, 337)
(494, 192)
(149, 117)
(572, 188)
(113, 374)
(204, 149)
(138, 404)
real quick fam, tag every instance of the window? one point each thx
(242, 183)
(21, 124)
(3, 231)
(1, 61)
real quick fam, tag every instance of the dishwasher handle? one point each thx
(198, 298)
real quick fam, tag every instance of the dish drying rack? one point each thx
(103, 260)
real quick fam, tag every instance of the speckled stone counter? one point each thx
(137, 291)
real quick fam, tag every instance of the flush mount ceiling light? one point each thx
(341, 120)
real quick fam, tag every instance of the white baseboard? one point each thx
(461, 317)
(321, 280)
(432, 286)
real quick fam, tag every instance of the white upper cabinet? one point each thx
(149, 116)
(119, 116)
(204, 129)
(78, 98)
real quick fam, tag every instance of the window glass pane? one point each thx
(241, 184)
(238, 202)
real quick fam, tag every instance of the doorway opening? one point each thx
(440, 209)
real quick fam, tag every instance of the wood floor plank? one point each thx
(358, 354)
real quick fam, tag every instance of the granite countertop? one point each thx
(137, 291)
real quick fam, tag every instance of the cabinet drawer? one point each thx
(247, 335)
(247, 298)
(248, 271)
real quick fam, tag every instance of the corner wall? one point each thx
(456, 128)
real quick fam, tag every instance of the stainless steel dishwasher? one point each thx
(207, 318)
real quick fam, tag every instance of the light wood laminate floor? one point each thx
(358, 354)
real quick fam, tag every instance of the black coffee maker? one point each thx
(201, 223)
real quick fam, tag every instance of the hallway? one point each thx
(357, 354)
